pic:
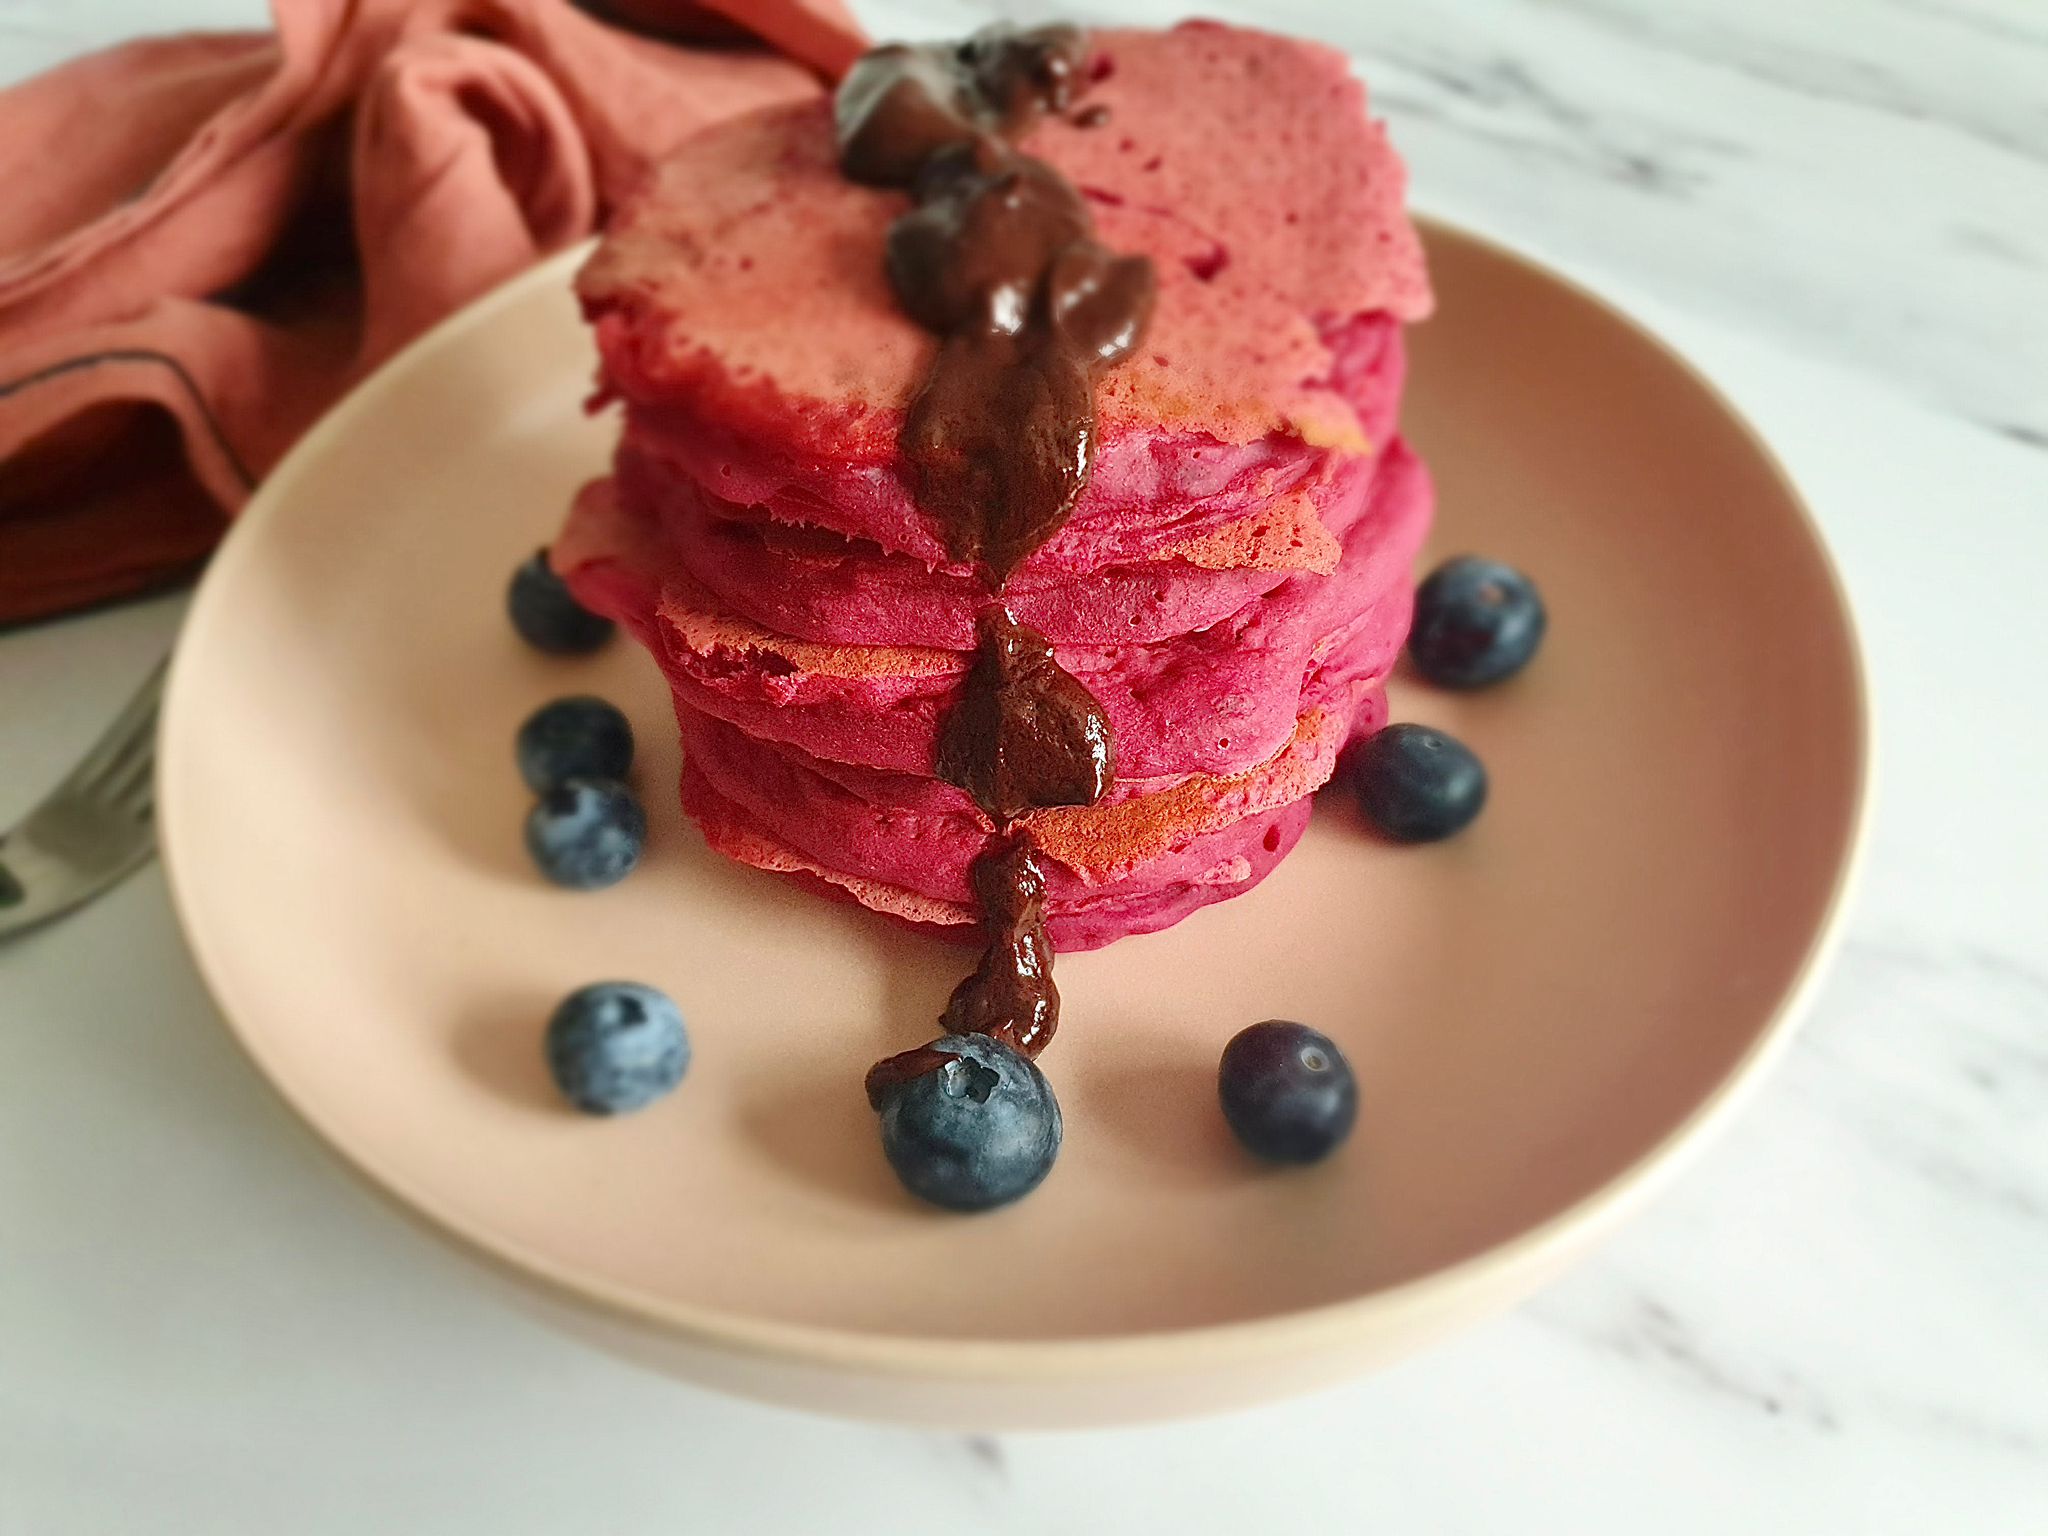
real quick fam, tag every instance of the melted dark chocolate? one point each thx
(896, 107)
(899, 104)
(1011, 995)
(1020, 74)
(1025, 733)
(892, 1072)
(988, 223)
(999, 258)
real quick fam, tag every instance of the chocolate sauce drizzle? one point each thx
(999, 258)
(1010, 994)
(1026, 733)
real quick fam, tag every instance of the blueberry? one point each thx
(1287, 1092)
(1418, 785)
(547, 617)
(1476, 622)
(977, 1132)
(616, 1045)
(586, 833)
(574, 738)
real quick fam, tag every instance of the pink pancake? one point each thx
(1110, 913)
(742, 313)
(1239, 680)
(1150, 493)
(816, 586)
(920, 835)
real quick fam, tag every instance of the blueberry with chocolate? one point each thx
(975, 1128)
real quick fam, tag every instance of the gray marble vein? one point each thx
(2026, 434)
(1647, 1332)
(1998, 23)
(1823, 70)
(1477, 98)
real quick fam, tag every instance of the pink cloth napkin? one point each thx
(205, 239)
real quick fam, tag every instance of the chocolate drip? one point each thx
(892, 1072)
(1026, 733)
(1011, 995)
(999, 258)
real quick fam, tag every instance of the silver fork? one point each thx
(93, 829)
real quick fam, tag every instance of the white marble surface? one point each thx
(1836, 1323)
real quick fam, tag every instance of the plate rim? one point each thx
(1507, 1269)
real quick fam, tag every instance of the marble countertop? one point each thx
(1835, 1322)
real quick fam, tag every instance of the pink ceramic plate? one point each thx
(1545, 1014)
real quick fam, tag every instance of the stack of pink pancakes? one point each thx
(1234, 583)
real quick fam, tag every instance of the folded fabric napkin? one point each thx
(205, 239)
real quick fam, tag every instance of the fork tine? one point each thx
(134, 729)
(118, 766)
(141, 799)
(137, 802)
(93, 829)
(136, 771)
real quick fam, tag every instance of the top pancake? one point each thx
(741, 297)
